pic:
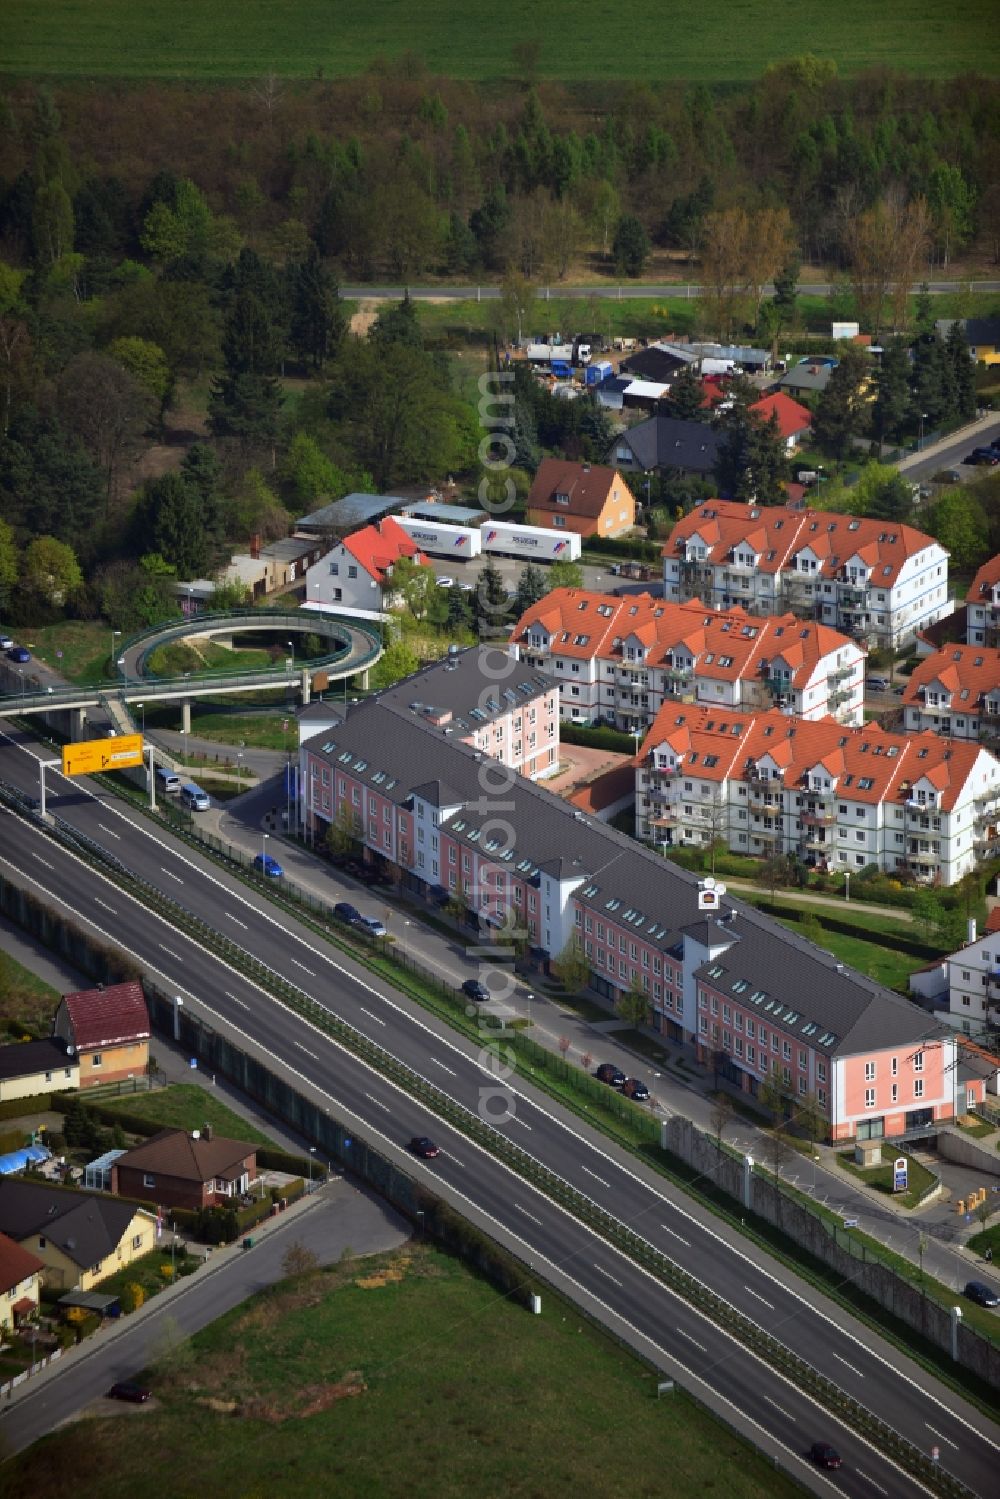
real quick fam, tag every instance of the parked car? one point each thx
(474, 989)
(423, 1147)
(372, 926)
(983, 457)
(346, 912)
(948, 476)
(265, 864)
(6, 643)
(825, 1456)
(878, 684)
(610, 1074)
(19, 654)
(982, 1294)
(445, 581)
(635, 1088)
(127, 1389)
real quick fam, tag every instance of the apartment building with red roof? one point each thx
(619, 660)
(982, 603)
(837, 797)
(794, 421)
(875, 580)
(956, 691)
(356, 574)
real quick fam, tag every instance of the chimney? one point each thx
(255, 546)
(970, 930)
(206, 1132)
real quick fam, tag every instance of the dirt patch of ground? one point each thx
(366, 314)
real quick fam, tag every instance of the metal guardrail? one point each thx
(761, 1343)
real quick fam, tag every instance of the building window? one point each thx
(147, 1180)
(918, 1087)
(869, 1072)
(894, 1066)
(96, 1059)
(869, 1098)
(918, 1061)
(137, 1241)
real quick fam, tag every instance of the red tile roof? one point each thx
(16, 1264)
(792, 418)
(587, 486)
(107, 1017)
(984, 582)
(376, 548)
(569, 616)
(969, 672)
(777, 534)
(895, 764)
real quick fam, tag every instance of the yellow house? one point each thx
(19, 1284)
(28, 1068)
(80, 1237)
(108, 1029)
(982, 334)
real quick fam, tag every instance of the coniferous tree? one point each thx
(893, 405)
(685, 397)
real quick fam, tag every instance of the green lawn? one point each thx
(473, 39)
(27, 1004)
(186, 1106)
(880, 1177)
(455, 1392)
(178, 656)
(877, 957)
(85, 647)
(259, 730)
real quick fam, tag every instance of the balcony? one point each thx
(758, 802)
(852, 597)
(838, 698)
(841, 674)
(817, 840)
(814, 818)
(680, 674)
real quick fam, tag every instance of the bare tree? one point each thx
(298, 1260)
(572, 967)
(107, 409)
(768, 244)
(886, 246)
(724, 240)
(721, 1117)
(565, 1046)
(268, 94)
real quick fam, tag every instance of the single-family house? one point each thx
(357, 572)
(109, 1030)
(794, 421)
(668, 444)
(587, 498)
(28, 1068)
(180, 1170)
(982, 334)
(809, 377)
(19, 1284)
(80, 1237)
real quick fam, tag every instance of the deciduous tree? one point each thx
(50, 570)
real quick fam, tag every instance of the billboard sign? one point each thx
(899, 1174)
(92, 755)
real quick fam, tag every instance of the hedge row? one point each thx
(604, 738)
(37, 1103)
(635, 549)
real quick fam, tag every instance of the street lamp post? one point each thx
(920, 439)
(263, 852)
(312, 1152)
(847, 884)
(291, 649)
(114, 636)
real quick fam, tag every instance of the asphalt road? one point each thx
(337, 1217)
(954, 455)
(820, 1332)
(626, 292)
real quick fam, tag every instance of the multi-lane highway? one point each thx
(818, 1331)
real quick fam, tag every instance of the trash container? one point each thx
(248, 1243)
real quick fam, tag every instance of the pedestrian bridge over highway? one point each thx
(355, 647)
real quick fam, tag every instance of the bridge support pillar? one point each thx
(78, 723)
(186, 715)
(306, 688)
(364, 679)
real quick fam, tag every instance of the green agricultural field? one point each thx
(578, 39)
(396, 1376)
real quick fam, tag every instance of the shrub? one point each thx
(131, 1296)
(596, 738)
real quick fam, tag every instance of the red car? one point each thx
(424, 1148)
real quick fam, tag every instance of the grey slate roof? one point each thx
(403, 753)
(352, 511)
(982, 330)
(654, 363)
(86, 1226)
(28, 1057)
(671, 442)
(449, 515)
(807, 377)
(475, 686)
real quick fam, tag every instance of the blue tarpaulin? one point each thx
(18, 1159)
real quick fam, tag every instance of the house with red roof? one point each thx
(19, 1284)
(955, 691)
(837, 797)
(794, 421)
(982, 605)
(107, 1028)
(356, 574)
(588, 498)
(619, 660)
(877, 581)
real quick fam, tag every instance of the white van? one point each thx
(192, 796)
(167, 780)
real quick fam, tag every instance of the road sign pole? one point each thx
(41, 782)
(152, 780)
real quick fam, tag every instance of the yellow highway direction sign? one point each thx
(91, 755)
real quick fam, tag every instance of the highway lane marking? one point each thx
(44, 861)
(170, 953)
(237, 920)
(99, 902)
(853, 1368)
(595, 1148)
(674, 1235)
(631, 1264)
(601, 1271)
(307, 1051)
(940, 1436)
(516, 1119)
(236, 999)
(450, 1070)
(750, 1291)
(526, 1213)
(596, 1177)
(377, 1018)
(867, 1478)
(779, 1408)
(110, 831)
(692, 1340)
(177, 877)
(304, 968)
(377, 1101)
